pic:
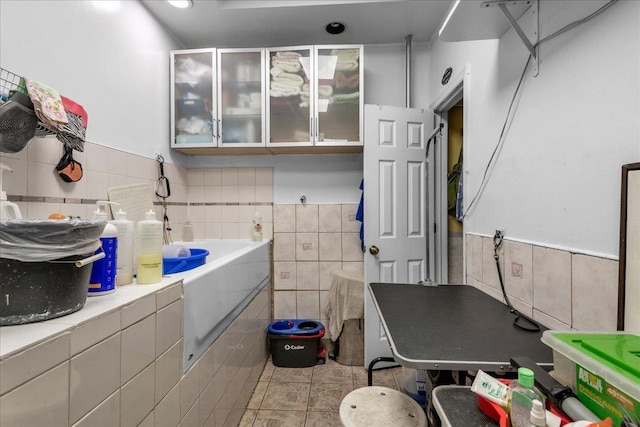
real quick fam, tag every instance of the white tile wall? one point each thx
(119, 379)
(560, 289)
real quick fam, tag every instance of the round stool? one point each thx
(380, 406)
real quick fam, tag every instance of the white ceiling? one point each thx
(265, 23)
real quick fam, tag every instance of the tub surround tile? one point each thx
(168, 371)
(95, 375)
(43, 181)
(192, 418)
(594, 293)
(168, 326)
(229, 176)
(138, 348)
(189, 389)
(32, 362)
(94, 331)
(15, 183)
(230, 193)
(105, 414)
(246, 177)
(264, 177)
(168, 295)
(138, 310)
(137, 398)
(196, 177)
(167, 412)
(552, 283)
(264, 193)
(212, 176)
(42, 401)
(550, 322)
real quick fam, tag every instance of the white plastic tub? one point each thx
(215, 293)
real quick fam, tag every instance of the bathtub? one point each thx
(217, 292)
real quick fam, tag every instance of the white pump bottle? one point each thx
(125, 248)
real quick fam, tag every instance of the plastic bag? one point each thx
(46, 240)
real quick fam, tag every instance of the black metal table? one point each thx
(454, 328)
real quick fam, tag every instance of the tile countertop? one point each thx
(14, 339)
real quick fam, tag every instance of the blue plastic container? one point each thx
(176, 265)
(295, 327)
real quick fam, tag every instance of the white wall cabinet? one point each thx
(304, 99)
(218, 98)
(314, 96)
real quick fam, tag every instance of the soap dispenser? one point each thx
(103, 271)
(8, 210)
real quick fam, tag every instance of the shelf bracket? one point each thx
(532, 46)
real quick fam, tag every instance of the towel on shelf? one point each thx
(325, 91)
(346, 53)
(347, 82)
(346, 98)
(279, 89)
(346, 64)
(47, 104)
(281, 76)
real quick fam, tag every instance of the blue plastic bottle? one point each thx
(103, 271)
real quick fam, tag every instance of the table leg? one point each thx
(372, 364)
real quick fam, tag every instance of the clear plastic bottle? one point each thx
(256, 228)
(103, 271)
(125, 248)
(538, 416)
(187, 231)
(149, 258)
(523, 393)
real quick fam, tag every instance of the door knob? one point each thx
(373, 250)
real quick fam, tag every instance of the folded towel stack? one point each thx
(286, 80)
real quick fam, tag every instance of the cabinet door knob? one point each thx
(373, 250)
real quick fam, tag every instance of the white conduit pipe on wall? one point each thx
(408, 69)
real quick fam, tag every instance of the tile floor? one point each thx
(309, 397)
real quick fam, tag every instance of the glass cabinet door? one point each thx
(339, 73)
(241, 100)
(291, 96)
(193, 108)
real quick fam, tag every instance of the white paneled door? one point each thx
(395, 207)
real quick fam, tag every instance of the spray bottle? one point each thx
(124, 275)
(149, 258)
(103, 271)
(8, 210)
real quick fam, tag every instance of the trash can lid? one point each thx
(295, 327)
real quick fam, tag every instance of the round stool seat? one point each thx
(380, 406)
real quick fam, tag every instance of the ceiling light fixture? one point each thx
(335, 27)
(446, 20)
(180, 4)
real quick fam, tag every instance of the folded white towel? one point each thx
(288, 56)
(346, 64)
(346, 53)
(279, 90)
(279, 75)
(289, 67)
(325, 90)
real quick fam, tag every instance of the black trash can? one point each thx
(295, 343)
